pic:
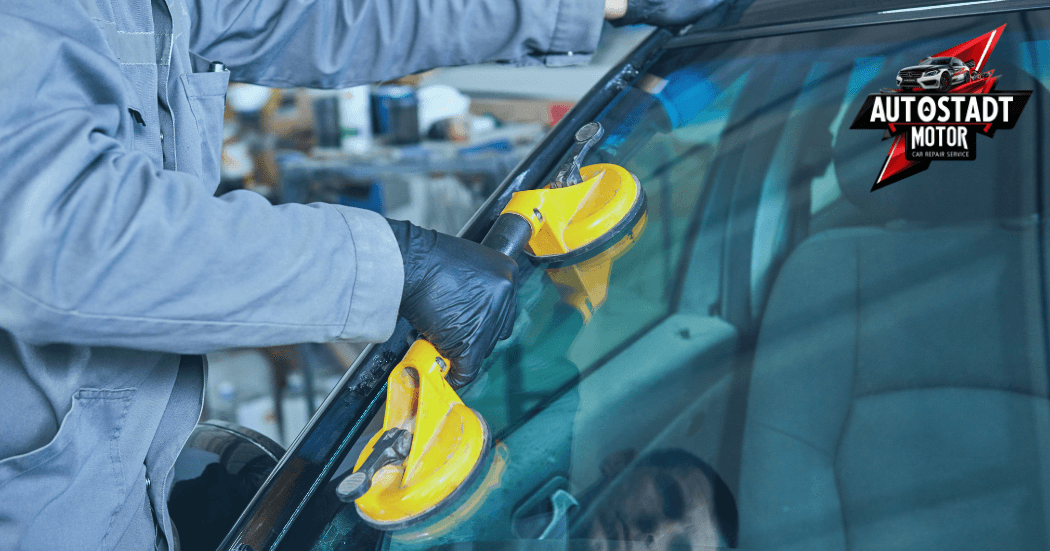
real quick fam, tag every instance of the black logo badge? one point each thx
(939, 107)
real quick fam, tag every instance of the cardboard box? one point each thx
(521, 110)
(288, 112)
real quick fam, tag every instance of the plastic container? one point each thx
(395, 114)
(355, 120)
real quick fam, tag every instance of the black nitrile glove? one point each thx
(665, 13)
(459, 295)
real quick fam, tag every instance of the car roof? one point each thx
(751, 18)
(773, 12)
(762, 13)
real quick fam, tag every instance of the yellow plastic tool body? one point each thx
(569, 219)
(448, 439)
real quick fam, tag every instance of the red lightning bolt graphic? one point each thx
(977, 51)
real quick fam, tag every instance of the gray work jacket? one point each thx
(118, 265)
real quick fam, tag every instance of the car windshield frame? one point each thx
(290, 494)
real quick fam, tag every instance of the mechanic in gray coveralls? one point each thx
(118, 266)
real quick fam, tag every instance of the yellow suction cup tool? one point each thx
(431, 445)
(580, 228)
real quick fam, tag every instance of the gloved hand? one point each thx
(664, 13)
(458, 295)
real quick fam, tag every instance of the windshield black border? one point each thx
(947, 11)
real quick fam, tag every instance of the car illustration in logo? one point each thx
(935, 73)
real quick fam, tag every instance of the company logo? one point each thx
(939, 107)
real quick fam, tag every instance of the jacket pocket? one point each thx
(71, 489)
(206, 96)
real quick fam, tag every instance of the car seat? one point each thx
(898, 396)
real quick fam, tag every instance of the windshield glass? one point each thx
(937, 61)
(786, 359)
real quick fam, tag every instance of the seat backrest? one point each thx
(899, 396)
(899, 392)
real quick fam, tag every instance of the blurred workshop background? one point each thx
(428, 148)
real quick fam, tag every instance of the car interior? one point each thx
(862, 370)
(898, 395)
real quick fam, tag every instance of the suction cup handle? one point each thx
(586, 138)
(390, 449)
(509, 234)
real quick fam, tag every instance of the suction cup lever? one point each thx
(586, 137)
(392, 448)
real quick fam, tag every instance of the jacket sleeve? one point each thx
(340, 43)
(98, 247)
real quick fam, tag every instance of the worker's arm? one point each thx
(99, 247)
(339, 43)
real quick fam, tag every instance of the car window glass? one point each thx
(780, 334)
